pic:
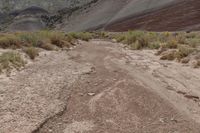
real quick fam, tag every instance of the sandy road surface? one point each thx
(104, 89)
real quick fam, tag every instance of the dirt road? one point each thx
(101, 87)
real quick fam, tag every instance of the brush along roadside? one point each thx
(181, 46)
(31, 43)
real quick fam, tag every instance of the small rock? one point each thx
(91, 94)
(50, 130)
(161, 120)
(174, 120)
(96, 84)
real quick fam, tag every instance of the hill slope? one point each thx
(111, 15)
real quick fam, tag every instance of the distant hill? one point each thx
(111, 15)
(50, 5)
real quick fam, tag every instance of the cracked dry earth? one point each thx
(101, 87)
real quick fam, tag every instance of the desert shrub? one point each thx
(9, 60)
(69, 38)
(139, 44)
(56, 40)
(194, 42)
(184, 51)
(161, 50)
(45, 45)
(104, 35)
(154, 45)
(191, 35)
(168, 55)
(30, 38)
(9, 41)
(135, 46)
(119, 37)
(85, 36)
(143, 41)
(181, 39)
(153, 36)
(31, 52)
(132, 36)
(139, 39)
(172, 44)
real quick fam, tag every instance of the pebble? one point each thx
(91, 94)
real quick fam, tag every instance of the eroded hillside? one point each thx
(111, 15)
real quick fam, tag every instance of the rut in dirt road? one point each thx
(127, 92)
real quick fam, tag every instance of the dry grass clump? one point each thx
(139, 39)
(9, 60)
(180, 54)
(31, 52)
(45, 44)
(184, 51)
(47, 40)
(9, 41)
(170, 45)
(85, 36)
(168, 55)
(34, 39)
(29, 42)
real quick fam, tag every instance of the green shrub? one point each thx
(154, 45)
(119, 38)
(194, 42)
(9, 60)
(85, 36)
(30, 38)
(135, 46)
(181, 39)
(184, 51)
(133, 36)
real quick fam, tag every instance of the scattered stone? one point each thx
(91, 94)
(173, 120)
(162, 120)
(91, 71)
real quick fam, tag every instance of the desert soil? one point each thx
(101, 87)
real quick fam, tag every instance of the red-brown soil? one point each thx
(184, 15)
